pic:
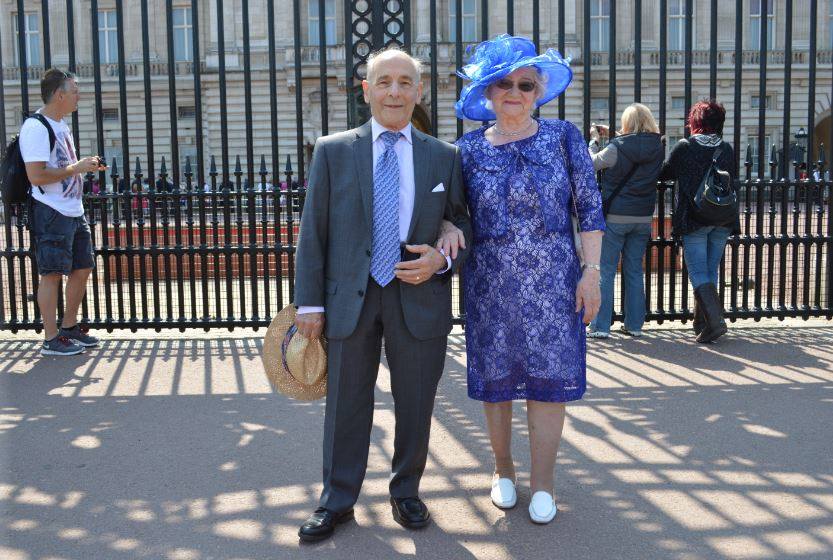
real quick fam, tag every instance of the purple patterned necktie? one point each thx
(385, 212)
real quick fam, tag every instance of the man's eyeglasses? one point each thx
(525, 86)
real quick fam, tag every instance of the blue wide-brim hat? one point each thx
(496, 58)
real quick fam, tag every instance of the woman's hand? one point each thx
(451, 239)
(594, 133)
(588, 295)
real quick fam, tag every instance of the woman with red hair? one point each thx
(703, 244)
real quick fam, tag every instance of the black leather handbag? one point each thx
(715, 201)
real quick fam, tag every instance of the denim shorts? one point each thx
(61, 243)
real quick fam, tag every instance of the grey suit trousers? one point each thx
(353, 365)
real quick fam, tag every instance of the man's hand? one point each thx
(588, 295)
(422, 269)
(86, 165)
(451, 239)
(310, 325)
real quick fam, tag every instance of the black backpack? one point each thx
(14, 182)
(715, 201)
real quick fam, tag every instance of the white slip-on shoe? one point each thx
(597, 334)
(542, 507)
(504, 495)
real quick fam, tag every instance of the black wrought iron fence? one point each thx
(221, 255)
(205, 236)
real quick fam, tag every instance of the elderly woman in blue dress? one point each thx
(526, 293)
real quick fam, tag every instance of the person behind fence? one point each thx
(525, 290)
(376, 198)
(703, 234)
(60, 233)
(631, 161)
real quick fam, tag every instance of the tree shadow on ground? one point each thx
(179, 449)
(745, 356)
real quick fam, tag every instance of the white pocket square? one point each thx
(438, 188)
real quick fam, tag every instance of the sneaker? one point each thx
(635, 334)
(79, 335)
(60, 346)
(597, 334)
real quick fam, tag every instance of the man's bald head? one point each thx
(392, 88)
(393, 52)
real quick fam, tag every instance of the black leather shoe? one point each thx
(322, 524)
(411, 513)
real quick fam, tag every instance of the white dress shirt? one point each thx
(404, 149)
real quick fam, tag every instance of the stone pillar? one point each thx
(421, 20)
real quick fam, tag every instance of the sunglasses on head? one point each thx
(525, 86)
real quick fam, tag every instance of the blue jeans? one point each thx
(629, 240)
(703, 251)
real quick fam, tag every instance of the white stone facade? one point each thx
(311, 107)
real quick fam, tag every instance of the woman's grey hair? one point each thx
(387, 53)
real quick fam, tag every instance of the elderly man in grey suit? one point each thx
(366, 261)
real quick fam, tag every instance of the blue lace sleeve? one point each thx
(585, 190)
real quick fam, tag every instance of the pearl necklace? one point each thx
(514, 134)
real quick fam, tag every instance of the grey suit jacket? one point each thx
(333, 254)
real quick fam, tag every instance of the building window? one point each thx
(469, 20)
(183, 38)
(186, 154)
(676, 25)
(677, 103)
(110, 114)
(108, 51)
(753, 145)
(769, 102)
(670, 142)
(32, 38)
(329, 22)
(599, 108)
(755, 23)
(830, 26)
(599, 25)
(113, 153)
(187, 112)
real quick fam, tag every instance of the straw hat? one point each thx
(295, 365)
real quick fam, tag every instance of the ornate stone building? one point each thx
(311, 105)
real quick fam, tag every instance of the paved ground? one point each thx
(173, 446)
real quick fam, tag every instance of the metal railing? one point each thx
(172, 253)
(223, 256)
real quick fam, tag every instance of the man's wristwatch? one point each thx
(592, 265)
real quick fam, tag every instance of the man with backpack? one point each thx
(59, 230)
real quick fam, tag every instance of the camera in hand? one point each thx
(102, 162)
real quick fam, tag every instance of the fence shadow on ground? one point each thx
(179, 449)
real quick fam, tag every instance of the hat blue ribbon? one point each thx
(499, 57)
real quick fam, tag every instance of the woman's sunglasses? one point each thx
(525, 86)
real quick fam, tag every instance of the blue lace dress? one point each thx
(524, 339)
